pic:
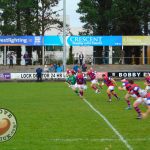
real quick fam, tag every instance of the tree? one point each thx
(95, 15)
(30, 17)
(7, 17)
(115, 17)
(128, 19)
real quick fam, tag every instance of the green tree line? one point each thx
(115, 17)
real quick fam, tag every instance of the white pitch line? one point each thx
(80, 139)
(93, 139)
(109, 124)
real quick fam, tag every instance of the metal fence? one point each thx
(87, 60)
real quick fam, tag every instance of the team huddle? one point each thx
(77, 82)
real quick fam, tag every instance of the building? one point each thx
(56, 52)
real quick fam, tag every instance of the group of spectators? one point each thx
(57, 68)
(78, 58)
(53, 68)
(11, 56)
(83, 67)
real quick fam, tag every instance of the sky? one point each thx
(71, 7)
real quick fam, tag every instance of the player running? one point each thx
(94, 82)
(147, 102)
(147, 82)
(81, 83)
(110, 83)
(71, 80)
(138, 93)
(126, 86)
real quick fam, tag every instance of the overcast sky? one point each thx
(71, 7)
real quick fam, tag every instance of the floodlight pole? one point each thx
(64, 35)
(43, 52)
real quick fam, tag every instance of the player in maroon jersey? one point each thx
(73, 72)
(147, 82)
(147, 102)
(80, 83)
(110, 83)
(94, 83)
(126, 86)
(138, 94)
(68, 72)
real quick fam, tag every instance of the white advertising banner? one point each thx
(32, 76)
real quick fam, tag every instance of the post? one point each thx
(64, 35)
(23, 50)
(43, 52)
(5, 56)
(143, 55)
(110, 54)
(123, 56)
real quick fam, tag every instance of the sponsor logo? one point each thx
(6, 76)
(8, 125)
(127, 74)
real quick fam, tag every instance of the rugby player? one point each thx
(71, 80)
(138, 94)
(126, 86)
(110, 83)
(147, 82)
(94, 82)
(147, 102)
(81, 83)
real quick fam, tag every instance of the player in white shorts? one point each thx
(147, 82)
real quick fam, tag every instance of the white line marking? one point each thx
(109, 124)
(94, 139)
(81, 139)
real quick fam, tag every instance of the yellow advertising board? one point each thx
(135, 40)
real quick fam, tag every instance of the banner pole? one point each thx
(5, 56)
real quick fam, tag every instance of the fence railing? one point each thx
(91, 61)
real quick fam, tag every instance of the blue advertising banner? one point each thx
(21, 40)
(94, 40)
(53, 40)
(58, 40)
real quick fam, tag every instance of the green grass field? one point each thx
(51, 117)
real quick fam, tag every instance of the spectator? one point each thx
(55, 66)
(75, 68)
(39, 73)
(11, 60)
(84, 67)
(26, 58)
(91, 60)
(81, 57)
(121, 61)
(46, 69)
(59, 68)
(51, 68)
(76, 57)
